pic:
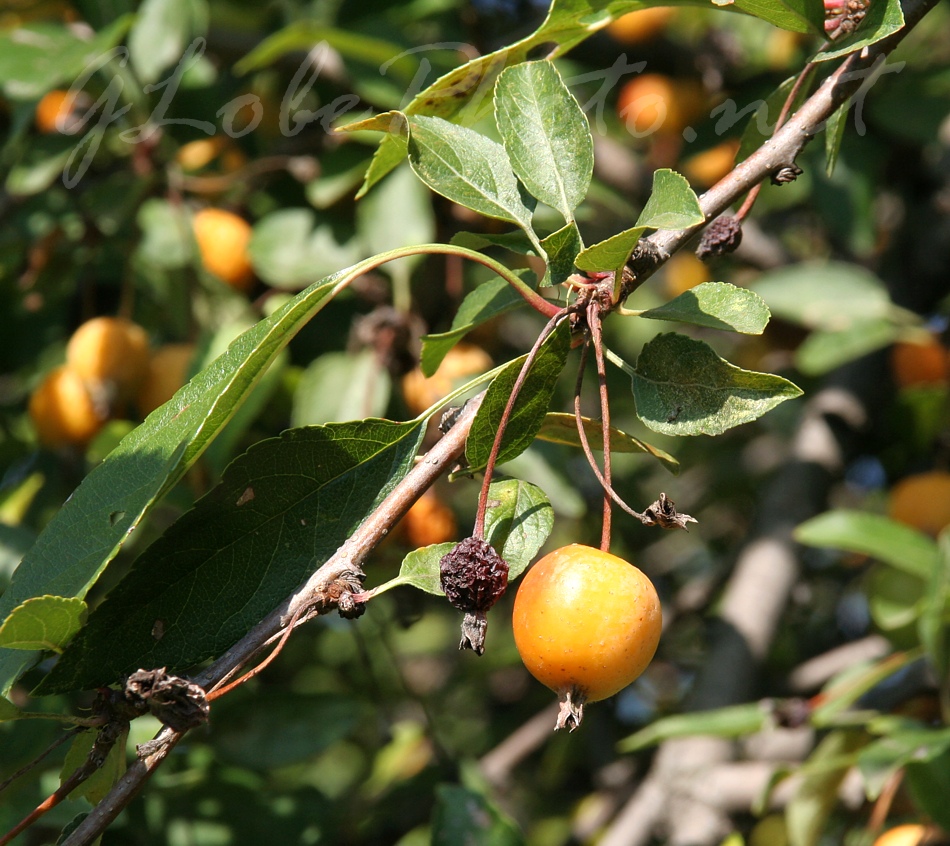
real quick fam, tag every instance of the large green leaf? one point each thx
(530, 407)
(44, 622)
(932, 626)
(91, 527)
(546, 135)
(468, 168)
(280, 511)
(880, 759)
(682, 387)
(717, 305)
(518, 520)
(825, 349)
(37, 57)
(488, 300)
(872, 534)
(465, 93)
(929, 783)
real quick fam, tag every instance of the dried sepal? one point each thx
(663, 513)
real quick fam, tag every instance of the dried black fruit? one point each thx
(176, 702)
(722, 236)
(473, 577)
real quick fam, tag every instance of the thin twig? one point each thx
(27, 767)
(597, 339)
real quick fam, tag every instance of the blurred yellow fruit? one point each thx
(56, 112)
(642, 25)
(111, 355)
(196, 155)
(920, 364)
(63, 411)
(223, 240)
(709, 166)
(682, 272)
(460, 363)
(166, 374)
(905, 835)
(922, 501)
(429, 521)
(652, 102)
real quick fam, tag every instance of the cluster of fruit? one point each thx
(109, 370)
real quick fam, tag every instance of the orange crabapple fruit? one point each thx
(586, 624)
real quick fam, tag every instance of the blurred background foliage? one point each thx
(376, 731)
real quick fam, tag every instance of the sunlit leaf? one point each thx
(546, 135)
(682, 387)
(45, 622)
(717, 305)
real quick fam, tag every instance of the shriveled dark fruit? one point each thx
(473, 576)
(722, 236)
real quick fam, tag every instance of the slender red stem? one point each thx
(585, 443)
(597, 339)
(549, 327)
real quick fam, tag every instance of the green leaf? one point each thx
(824, 350)
(161, 31)
(561, 248)
(529, 410)
(95, 788)
(881, 759)
(732, 721)
(278, 728)
(895, 598)
(488, 300)
(881, 19)
(810, 807)
(872, 534)
(518, 520)
(40, 165)
(672, 203)
(35, 58)
(167, 238)
(834, 134)
(546, 135)
(464, 816)
(45, 622)
(465, 93)
(825, 295)
(288, 249)
(341, 386)
(560, 428)
(932, 625)
(280, 511)
(929, 783)
(717, 305)
(303, 35)
(467, 168)
(681, 387)
(611, 253)
(420, 568)
(8, 711)
(846, 688)
(91, 527)
(516, 241)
